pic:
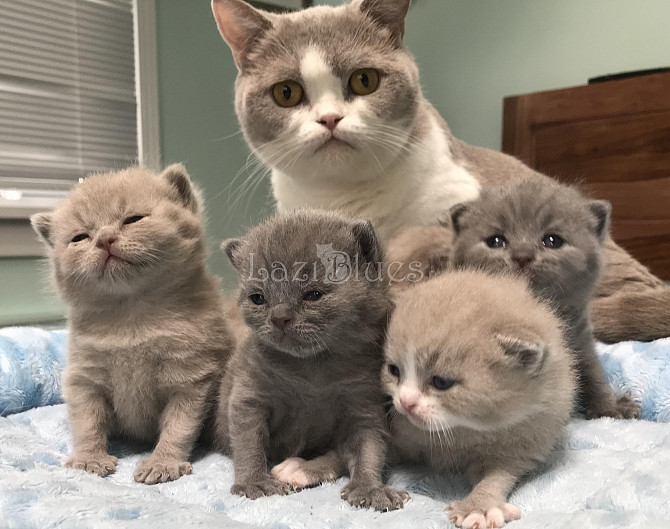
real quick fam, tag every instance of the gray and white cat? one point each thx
(304, 384)
(330, 99)
(147, 343)
(481, 381)
(553, 236)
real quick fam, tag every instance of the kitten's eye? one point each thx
(313, 295)
(80, 237)
(134, 219)
(258, 299)
(364, 81)
(287, 93)
(394, 370)
(496, 241)
(552, 241)
(442, 383)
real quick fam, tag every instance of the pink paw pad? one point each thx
(290, 471)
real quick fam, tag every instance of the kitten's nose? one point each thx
(330, 121)
(408, 403)
(105, 241)
(281, 316)
(523, 260)
(281, 322)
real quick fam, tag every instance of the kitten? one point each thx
(481, 381)
(329, 98)
(147, 340)
(554, 237)
(305, 383)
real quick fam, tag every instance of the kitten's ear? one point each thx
(240, 26)
(455, 214)
(528, 355)
(231, 248)
(41, 223)
(388, 13)
(367, 240)
(601, 209)
(176, 176)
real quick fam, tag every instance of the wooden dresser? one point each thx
(614, 139)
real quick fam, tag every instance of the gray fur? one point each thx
(147, 343)
(312, 390)
(524, 212)
(630, 303)
(513, 392)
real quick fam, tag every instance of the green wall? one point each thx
(471, 53)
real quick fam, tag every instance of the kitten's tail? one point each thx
(638, 315)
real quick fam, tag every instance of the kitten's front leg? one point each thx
(598, 398)
(180, 425)
(364, 455)
(249, 439)
(91, 417)
(486, 505)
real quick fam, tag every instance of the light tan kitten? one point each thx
(148, 342)
(481, 381)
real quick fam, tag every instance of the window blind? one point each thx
(67, 91)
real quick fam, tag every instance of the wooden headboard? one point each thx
(614, 139)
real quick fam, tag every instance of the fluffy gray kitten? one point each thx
(305, 382)
(481, 382)
(553, 236)
(147, 342)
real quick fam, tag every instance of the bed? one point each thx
(603, 473)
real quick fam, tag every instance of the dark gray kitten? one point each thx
(305, 382)
(552, 235)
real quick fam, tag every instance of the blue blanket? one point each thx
(604, 474)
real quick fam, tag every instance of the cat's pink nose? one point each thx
(105, 242)
(281, 322)
(330, 121)
(408, 403)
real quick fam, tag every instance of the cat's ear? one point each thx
(528, 355)
(367, 240)
(601, 210)
(388, 13)
(455, 214)
(41, 223)
(240, 26)
(177, 177)
(231, 248)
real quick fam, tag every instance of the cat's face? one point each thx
(546, 232)
(325, 92)
(477, 368)
(294, 298)
(118, 234)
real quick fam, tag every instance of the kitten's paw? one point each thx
(153, 470)
(622, 408)
(101, 464)
(300, 473)
(464, 515)
(266, 487)
(627, 408)
(379, 498)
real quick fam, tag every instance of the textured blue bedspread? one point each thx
(605, 473)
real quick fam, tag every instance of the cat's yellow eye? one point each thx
(364, 81)
(287, 93)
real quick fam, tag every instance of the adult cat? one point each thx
(330, 99)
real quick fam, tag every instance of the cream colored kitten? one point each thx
(148, 342)
(476, 361)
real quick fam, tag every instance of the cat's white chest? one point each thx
(419, 190)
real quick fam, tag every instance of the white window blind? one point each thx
(67, 93)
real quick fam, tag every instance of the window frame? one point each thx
(18, 239)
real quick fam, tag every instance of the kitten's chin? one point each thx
(294, 348)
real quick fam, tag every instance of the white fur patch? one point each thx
(324, 89)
